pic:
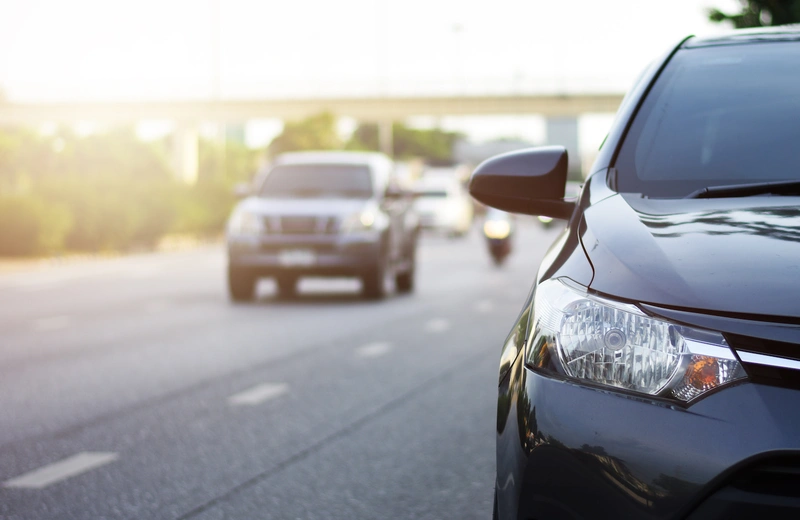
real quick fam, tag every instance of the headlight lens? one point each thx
(245, 223)
(609, 343)
(363, 221)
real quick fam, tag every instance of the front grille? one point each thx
(319, 249)
(769, 488)
(300, 225)
(769, 372)
(776, 477)
(764, 346)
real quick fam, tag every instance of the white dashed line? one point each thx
(484, 306)
(52, 323)
(373, 350)
(62, 470)
(437, 325)
(258, 394)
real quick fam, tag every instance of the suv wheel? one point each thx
(241, 284)
(374, 280)
(404, 281)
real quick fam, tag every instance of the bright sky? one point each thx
(166, 49)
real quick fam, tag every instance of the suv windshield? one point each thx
(317, 181)
(716, 116)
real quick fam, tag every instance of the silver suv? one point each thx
(324, 214)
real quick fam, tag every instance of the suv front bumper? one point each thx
(304, 255)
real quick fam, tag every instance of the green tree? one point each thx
(433, 145)
(759, 13)
(108, 191)
(28, 226)
(314, 133)
(229, 163)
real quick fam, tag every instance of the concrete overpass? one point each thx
(561, 111)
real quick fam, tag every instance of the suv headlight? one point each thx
(599, 341)
(362, 221)
(245, 223)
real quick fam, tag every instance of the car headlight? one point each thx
(497, 228)
(599, 341)
(362, 221)
(245, 223)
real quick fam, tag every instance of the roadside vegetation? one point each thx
(108, 192)
(111, 191)
(759, 13)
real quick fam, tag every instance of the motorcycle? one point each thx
(498, 228)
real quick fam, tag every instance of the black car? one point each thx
(324, 214)
(654, 371)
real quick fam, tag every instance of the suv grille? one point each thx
(300, 225)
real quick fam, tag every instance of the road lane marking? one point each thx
(437, 325)
(52, 323)
(61, 470)
(484, 306)
(258, 394)
(373, 350)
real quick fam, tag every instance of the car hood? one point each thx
(732, 256)
(304, 207)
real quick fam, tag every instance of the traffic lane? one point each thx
(85, 312)
(72, 376)
(116, 284)
(175, 455)
(152, 283)
(47, 393)
(431, 456)
(84, 285)
(49, 450)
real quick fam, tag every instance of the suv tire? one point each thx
(241, 284)
(404, 281)
(374, 280)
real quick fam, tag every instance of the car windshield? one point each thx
(318, 181)
(716, 116)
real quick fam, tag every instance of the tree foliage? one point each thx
(108, 191)
(759, 13)
(228, 162)
(432, 145)
(314, 133)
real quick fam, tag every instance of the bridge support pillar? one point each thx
(185, 153)
(564, 131)
(386, 137)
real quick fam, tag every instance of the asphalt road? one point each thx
(132, 388)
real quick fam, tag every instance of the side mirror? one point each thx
(528, 181)
(394, 192)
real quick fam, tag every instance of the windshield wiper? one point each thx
(746, 190)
